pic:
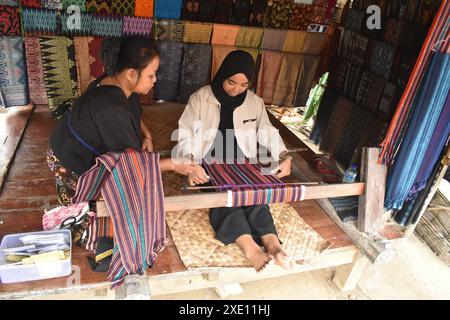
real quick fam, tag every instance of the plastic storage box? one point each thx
(38, 271)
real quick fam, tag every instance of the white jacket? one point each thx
(199, 123)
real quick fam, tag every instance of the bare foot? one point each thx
(259, 259)
(282, 259)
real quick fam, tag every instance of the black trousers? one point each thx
(231, 223)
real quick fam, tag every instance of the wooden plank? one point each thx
(371, 203)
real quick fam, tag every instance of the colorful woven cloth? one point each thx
(218, 55)
(96, 63)
(224, 34)
(223, 12)
(80, 3)
(58, 59)
(168, 9)
(51, 4)
(195, 69)
(30, 3)
(287, 80)
(241, 12)
(11, 3)
(107, 25)
(83, 62)
(35, 71)
(301, 17)
(279, 14)
(314, 43)
(273, 39)
(197, 32)
(169, 30)
(131, 185)
(137, 26)
(268, 74)
(124, 7)
(249, 37)
(354, 47)
(168, 85)
(69, 29)
(143, 8)
(258, 11)
(190, 10)
(306, 76)
(382, 59)
(9, 21)
(13, 74)
(389, 100)
(207, 10)
(99, 6)
(295, 41)
(39, 21)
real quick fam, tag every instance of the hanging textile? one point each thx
(320, 11)
(427, 11)
(354, 19)
(35, 71)
(98, 6)
(223, 34)
(374, 94)
(136, 26)
(96, 63)
(168, 75)
(346, 208)
(85, 28)
(280, 14)
(13, 74)
(273, 39)
(287, 80)
(207, 10)
(223, 11)
(257, 15)
(302, 16)
(268, 74)
(51, 4)
(197, 32)
(168, 9)
(11, 3)
(124, 7)
(247, 185)
(381, 59)
(306, 76)
(405, 68)
(326, 108)
(9, 21)
(352, 80)
(249, 37)
(295, 41)
(241, 12)
(39, 21)
(195, 69)
(428, 104)
(354, 47)
(339, 70)
(58, 59)
(190, 9)
(314, 42)
(80, 3)
(218, 55)
(143, 8)
(107, 25)
(389, 100)
(169, 30)
(404, 35)
(30, 3)
(131, 185)
(83, 63)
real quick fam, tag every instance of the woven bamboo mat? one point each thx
(194, 238)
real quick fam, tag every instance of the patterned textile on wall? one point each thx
(195, 69)
(143, 8)
(58, 59)
(268, 74)
(207, 10)
(374, 94)
(287, 80)
(223, 11)
(30, 3)
(11, 3)
(257, 16)
(168, 75)
(168, 9)
(69, 30)
(388, 101)
(301, 17)
(354, 19)
(39, 21)
(218, 55)
(241, 12)
(249, 37)
(51, 4)
(406, 66)
(107, 25)
(369, 82)
(96, 62)
(137, 26)
(280, 14)
(339, 70)
(306, 76)
(99, 6)
(123, 7)
(9, 21)
(190, 10)
(224, 34)
(83, 63)
(295, 41)
(35, 71)
(404, 35)
(197, 32)
(354, 47)
(326, 108)
(273, 39)
(80, 3)
(352, 80)
(13, 74)
(382, 59)
(314, 42)
(172, 30)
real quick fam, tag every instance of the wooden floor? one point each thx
(29, 190)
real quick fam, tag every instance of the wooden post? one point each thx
(371, 203)
(346, 277)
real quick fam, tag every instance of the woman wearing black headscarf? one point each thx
(226, 121)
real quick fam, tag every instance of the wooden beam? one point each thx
(371, 204)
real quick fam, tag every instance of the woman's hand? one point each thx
(147, 144)
(198, 176)
(284, 168)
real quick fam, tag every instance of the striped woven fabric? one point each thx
(39, 21)
(9, 21)
(137, 26)
(107, 25)
(131, 185)
(249, 37)
(35, 71)
(247, 184)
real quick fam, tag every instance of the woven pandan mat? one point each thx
(194, 238)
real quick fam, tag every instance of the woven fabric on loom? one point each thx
(39, 21)
(301, 17)
(306, 76)
(241, 12)
(107, 25)
(191, 229)
(168, 84)
(51, 4)
(58, 59)
(197, 32)
(143, 8)
(80, 3)
(223, 12)
(123, 7)
(85, 28)
(168, 9)
(9, 21)
(172, 30)
(268, 74)
(224, 35)
(13, 75)
(287, 80)
(195, 69)
(99, 6)
(189, 10)
(207, 10)
(273, 39)
(279, 14)
(35, 71)
(83, 62)
(249, 37)
(257, 15)
(137, 26)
